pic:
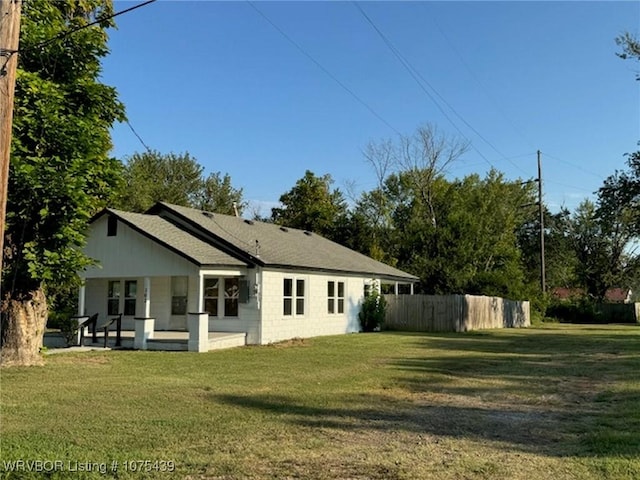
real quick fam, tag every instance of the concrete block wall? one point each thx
(316, 320)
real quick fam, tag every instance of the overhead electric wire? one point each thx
(574, 165)
(477, 80)
(417, 77)
(66, 33)
(138, 136)
(321, 67)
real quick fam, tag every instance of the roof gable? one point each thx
(173, 238)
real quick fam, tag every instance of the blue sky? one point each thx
(265, 91)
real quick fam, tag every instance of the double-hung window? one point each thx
(335, 297)
(114, 295)
(221, 296)
(179, 291)
(293, 296)
(130, 293)
(113, 298)
(211, 296)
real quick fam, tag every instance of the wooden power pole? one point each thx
(9, 38)
(543, 279)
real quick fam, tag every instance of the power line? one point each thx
(414, 74)
(475, 77)
(575, 165)
(67, 33)
(321, 67)
(417, 77)
(138, 136)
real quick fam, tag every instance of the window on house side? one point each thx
(287, 296)
(113, 298)
(179, 288)
(331, 293)
(231, 294)
(335, 297)
(112, 226)
(299, 297)
(130, 293)
(211, 296)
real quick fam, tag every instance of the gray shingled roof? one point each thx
(285, 247)
(176, 239)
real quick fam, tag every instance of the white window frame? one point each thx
(121, 295)
(295, 296)
(335, 301)
(222, 298)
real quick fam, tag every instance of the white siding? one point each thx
(316, 320)
(131, 254)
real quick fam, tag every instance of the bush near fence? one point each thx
(453, 313)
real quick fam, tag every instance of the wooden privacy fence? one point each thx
(619, 312)
(453, 313)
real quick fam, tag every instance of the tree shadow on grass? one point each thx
(515, 429)
(589, 380)
(548, 394)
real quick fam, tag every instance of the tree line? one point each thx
(471, 235)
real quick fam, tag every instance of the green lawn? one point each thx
(559, 402)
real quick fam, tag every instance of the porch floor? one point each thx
(162, 340)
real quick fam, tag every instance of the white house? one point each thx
(177, 269)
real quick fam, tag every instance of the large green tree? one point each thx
(603, 240)
(60, 170)
(473, 247)
(312, 205)
(151, 176)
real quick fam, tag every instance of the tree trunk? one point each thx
(24, 318)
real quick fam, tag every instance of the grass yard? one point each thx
(558, 401)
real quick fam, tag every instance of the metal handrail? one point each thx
(105, 326)
(87, 322)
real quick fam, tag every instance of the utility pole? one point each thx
(543, 279)
(9, 38)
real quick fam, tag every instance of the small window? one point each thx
(211, 287)
(299, 297)
(293, 299)
(231, 295)
(112, 227)
(335, 297)
(331, 293)
(113, 298)
(179, 288)
(130, 293)
(288, 296)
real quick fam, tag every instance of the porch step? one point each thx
(164, 340)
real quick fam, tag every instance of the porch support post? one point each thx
(411, 288)
(198, 332)
(147, 297)
(81, 298)
(200, 292)
(144, 331)
(395, 289)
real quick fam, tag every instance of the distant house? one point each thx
(613, 295)
(618, 295)
(271, 282)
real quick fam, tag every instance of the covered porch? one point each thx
(161, 308)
